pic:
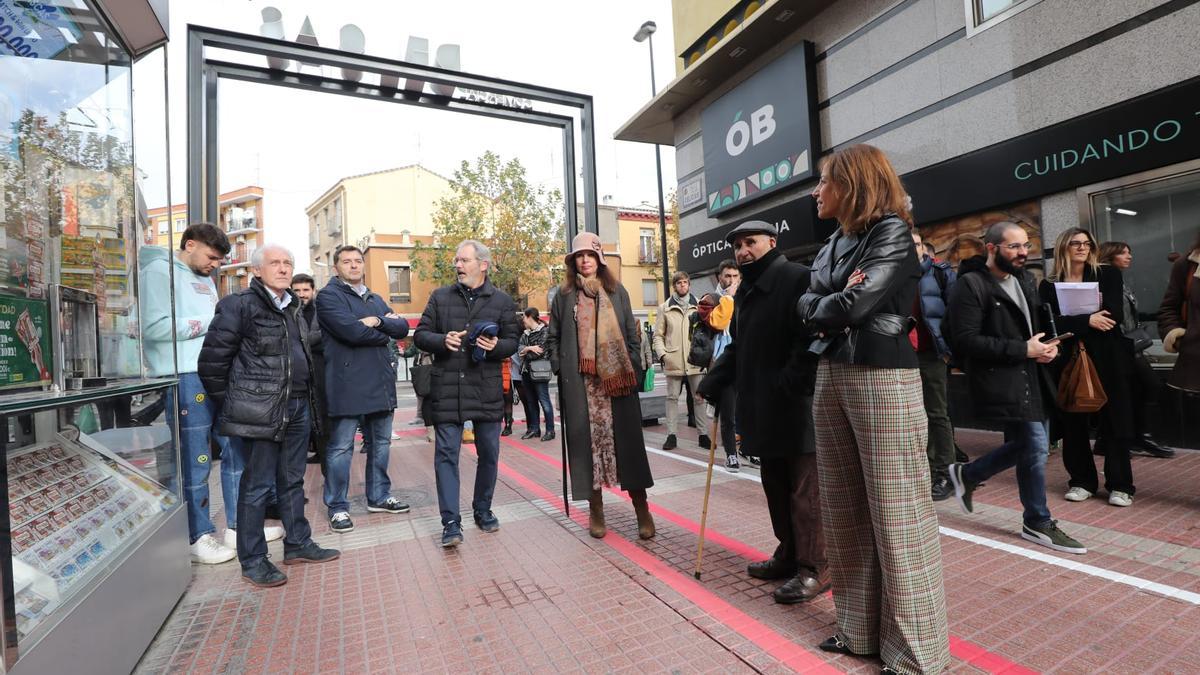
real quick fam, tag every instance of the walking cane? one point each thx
(562, 427)
(712, 454)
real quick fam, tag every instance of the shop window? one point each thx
(649, 293)
(1156, 215)
(983, 14)
(399, 283)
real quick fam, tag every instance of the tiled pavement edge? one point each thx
(542, 596)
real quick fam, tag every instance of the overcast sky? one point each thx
(298, 144)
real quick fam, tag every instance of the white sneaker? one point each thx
(1077, 494)
(270, 532)
(208, 551)
(1118, 498)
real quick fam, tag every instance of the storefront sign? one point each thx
(34, 29)
(761, 136)
(1147, 132)
(25, 353)
(795, 219)
(691, 193)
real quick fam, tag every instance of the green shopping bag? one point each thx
(648, 381)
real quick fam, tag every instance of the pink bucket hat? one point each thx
(586, 241)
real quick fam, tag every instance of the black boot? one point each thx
(1146, 445)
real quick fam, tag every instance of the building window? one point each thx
(646, 247)
(180, 224)
(399, 283)
(983, 14)
(163, 225)
(242, 219)
(1155, 213)
(649, 292)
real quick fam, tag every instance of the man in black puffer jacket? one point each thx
(256, 365)
(467, 380)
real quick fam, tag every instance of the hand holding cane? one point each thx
(712, 453)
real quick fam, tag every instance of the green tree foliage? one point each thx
(493, 202)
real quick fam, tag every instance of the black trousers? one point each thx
(279, 466)
(726, 421)
(794, 502)
(1077, 454)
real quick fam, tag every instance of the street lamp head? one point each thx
(645, 31)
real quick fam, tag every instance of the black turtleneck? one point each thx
(752, 271)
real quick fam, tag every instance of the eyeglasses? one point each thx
(1018, 247)
(463, 260)
(1079, 244)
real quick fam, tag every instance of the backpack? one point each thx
(700, 352)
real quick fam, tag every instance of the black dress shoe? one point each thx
(771, 568)
(506, 431)
(1145, 445)
(670, 443)
(942, 488)
(800, 588)
(836, 645)
(264, 575)
(310, 553)
(704, 441)
(549, 436)
(532, 433)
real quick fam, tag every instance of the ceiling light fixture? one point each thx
(1126, 212)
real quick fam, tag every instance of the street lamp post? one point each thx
(646, 34)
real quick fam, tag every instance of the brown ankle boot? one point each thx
(642, 509)
(596, 526)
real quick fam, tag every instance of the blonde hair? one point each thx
(869, 185)
(1062, 255)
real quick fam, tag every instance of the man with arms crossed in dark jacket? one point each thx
(994, 331)
(358, 329)
(769, 366)
(470, 328)
(256, 365)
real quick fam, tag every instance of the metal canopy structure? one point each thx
(204, 73)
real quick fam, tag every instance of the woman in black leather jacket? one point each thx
(880, 527)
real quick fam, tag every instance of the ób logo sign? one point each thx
(745, 133)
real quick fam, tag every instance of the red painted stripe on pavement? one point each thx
(961, 649)
(760, 634)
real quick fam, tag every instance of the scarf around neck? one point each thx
(752, 271)
(601, 344)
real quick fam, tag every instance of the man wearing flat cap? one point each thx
(772, 372)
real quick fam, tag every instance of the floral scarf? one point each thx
(601, 344)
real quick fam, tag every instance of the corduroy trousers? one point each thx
(881, 532)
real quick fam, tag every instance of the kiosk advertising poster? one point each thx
(25, 352)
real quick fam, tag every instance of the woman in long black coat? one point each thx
(599, 381)
(1075, 260)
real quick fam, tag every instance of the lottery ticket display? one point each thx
(71, 508)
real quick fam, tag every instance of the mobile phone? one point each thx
(1057, 338)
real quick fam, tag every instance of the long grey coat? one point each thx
(562, 343)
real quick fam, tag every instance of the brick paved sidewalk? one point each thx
(542, 596)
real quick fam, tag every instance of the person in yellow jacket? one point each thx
(719, 320)
(672, 340)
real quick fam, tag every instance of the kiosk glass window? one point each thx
(1156, 217)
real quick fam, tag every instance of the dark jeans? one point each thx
(1026, 447)
(794, 503)
(447, 443)
(534, 394)
(279, 466)
(725, 417)
(377, 439)
(1077, 454)
(940, 448)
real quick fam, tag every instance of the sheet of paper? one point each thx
(1078, 298)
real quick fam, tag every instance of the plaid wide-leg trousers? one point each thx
(881, 532)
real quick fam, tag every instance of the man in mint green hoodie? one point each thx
(202, 248)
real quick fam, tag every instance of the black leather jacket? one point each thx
(868, 323)
(246, 362)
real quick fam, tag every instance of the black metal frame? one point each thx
(203, 74)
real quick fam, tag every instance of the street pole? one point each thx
(662, 215)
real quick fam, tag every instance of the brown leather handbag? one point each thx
(1079, 388)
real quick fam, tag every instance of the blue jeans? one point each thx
(539, 391)
(275, 469)
(377, 437)
(447, 442)
(197, 420)
(1027, 448)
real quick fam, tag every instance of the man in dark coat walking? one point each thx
(471, 328)
(256, 365)
(773, 374)
(358, 330)
(995, 333)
